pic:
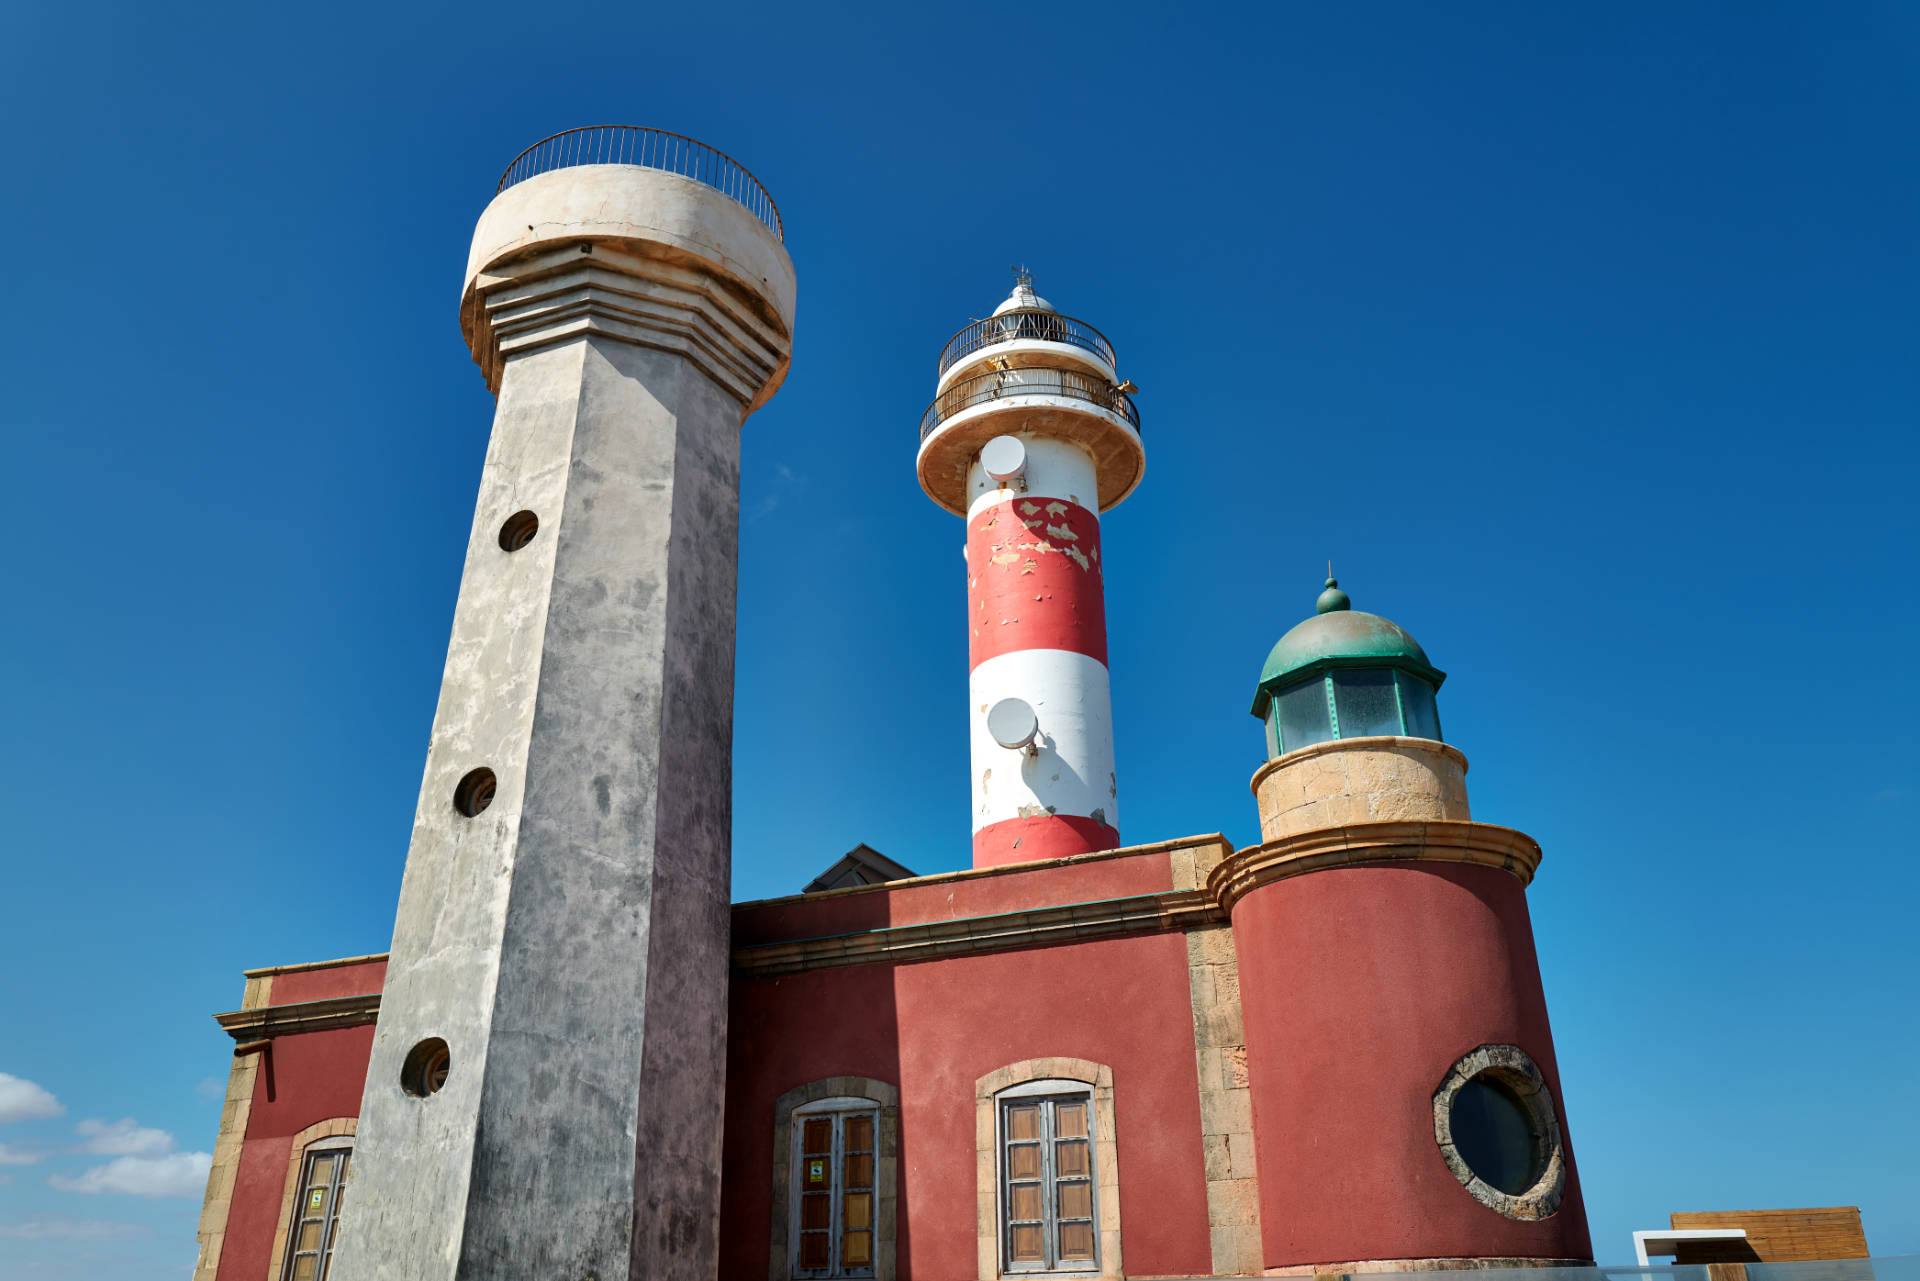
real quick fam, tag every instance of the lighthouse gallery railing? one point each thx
(651, 149)
(1069, 383)
(1025, 323)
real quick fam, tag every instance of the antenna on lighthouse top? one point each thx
(1021, 276)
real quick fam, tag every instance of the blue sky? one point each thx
(1581, 338)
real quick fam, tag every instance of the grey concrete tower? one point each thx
(545, 1093)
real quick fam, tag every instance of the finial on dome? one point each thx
(1022, 298)
(1333, 598)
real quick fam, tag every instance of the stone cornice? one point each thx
(270, 1021)
(1068, 923)
(302, 967)
(609, 289)
(1477, 844)
(1210, 843)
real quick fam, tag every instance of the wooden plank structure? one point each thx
(1824, 1234)
(1775, 1236)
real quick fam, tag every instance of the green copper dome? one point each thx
(1339, 635)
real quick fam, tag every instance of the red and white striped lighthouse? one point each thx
(1030, 436)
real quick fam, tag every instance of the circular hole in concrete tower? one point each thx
(518, 531)
(475, 791)
(1497, 1134)
(426, 1068)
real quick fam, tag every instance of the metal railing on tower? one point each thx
(651, 149)
(1032, 324)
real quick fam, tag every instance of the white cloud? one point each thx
(182, 1174)
(17, 1156)
(211, 1087)
(123, 1138)
(68, 1230)
(22, 1100)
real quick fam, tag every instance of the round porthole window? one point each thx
(1494, 1120)
(426, 1068)
(475, 791)
(518, 531)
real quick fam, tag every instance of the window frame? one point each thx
(1050, 1092)
(340, 1146)
(1522, 1077)
(838, 1109)
(987, 1090)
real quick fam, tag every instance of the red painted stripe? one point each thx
(1028, 840)
(1034, 581)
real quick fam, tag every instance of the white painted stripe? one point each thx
(1073, 771)
(1055, 469)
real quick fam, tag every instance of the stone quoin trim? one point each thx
(1519, 1072)
(1226, 1102)
(234, 1115)
(886, 1168)
(1098, 1078)
(336, 1127)
(1226, 1095)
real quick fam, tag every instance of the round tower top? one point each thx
(684, 226)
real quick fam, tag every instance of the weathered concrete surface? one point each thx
(645, 255)
(570, 942)
(683, 216)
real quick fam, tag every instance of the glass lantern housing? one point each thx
(1351, 702)
(1345, 673)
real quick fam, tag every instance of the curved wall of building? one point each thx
(1362, 987)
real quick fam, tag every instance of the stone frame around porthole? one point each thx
(1515, 1069)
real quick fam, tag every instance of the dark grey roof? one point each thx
(861, 865)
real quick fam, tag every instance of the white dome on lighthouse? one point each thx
(1023, 299)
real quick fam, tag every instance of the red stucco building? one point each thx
(1328, 1051)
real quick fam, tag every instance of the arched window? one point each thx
(310, 1207)
(835, 1180)
(1050, 1180)
(835, 1143)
